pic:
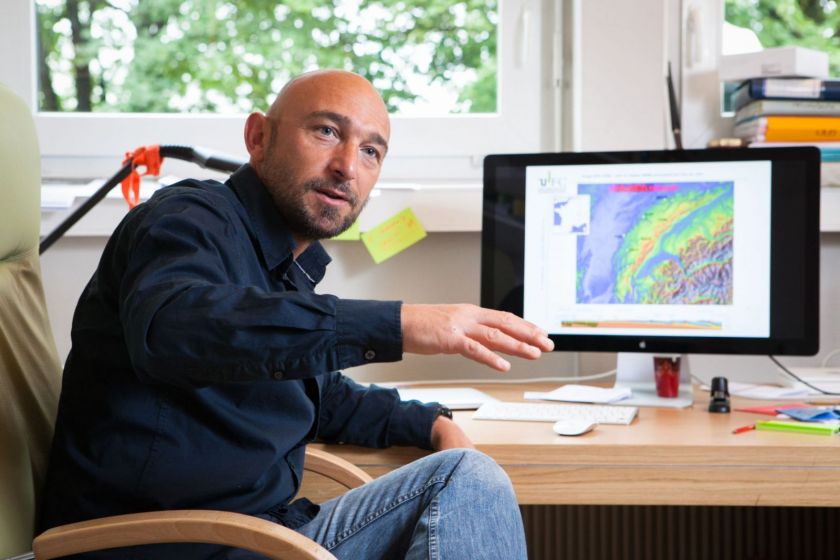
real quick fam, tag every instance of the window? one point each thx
(753, 25)
(802, 23)
(462, 78)
(230, 57)
(710, 29)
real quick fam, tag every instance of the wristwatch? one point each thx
(443, 411)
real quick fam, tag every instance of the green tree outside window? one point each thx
(805, 23)
(232, 56)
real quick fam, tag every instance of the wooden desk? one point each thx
(666, 457)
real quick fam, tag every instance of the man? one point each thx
(203, 362)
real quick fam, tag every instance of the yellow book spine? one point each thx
(802, 129)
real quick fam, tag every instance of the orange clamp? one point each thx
(148, 156)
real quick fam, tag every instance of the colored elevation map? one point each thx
(657, 243)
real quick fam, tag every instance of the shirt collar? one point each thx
(274, 239)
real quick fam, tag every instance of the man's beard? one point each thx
(322, 222)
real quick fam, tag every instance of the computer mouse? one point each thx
(573, 427)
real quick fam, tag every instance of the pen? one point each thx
(743, 429)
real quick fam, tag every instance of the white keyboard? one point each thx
(545, 412)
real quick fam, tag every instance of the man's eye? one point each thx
(372, 152)
(327, 131)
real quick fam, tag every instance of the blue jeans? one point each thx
(452, 504)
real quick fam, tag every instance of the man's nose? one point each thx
(345, 161)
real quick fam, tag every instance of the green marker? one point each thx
(798, 427)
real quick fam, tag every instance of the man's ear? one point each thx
(256, 138)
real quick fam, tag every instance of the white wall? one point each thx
(623, 54)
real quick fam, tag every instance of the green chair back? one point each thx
(30, 371)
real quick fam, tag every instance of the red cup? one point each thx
(667, 372)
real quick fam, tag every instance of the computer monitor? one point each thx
(694, 251)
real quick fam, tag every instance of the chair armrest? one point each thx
(334, 467)
(200, 526)
(179, 526)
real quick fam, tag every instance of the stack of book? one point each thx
(787, 110)
(780, 110)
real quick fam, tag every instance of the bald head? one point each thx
(319, 150)
(321, 86)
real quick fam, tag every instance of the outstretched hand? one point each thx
(474, 332)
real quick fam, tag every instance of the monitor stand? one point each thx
(635, 371)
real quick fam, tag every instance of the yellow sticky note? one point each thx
(353, 233)
(392, 236)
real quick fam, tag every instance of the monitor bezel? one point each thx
(803, 196)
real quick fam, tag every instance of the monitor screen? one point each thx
(701, 251)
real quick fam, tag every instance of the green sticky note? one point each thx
(392, 236)
(353, 233)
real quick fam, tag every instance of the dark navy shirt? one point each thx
(203, 362)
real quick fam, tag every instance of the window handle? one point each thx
(694, 37)
(523, 31)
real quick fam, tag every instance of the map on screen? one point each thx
(656, 243)
(649, 248)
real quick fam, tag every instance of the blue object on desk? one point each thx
(829, 153)
(810, 414)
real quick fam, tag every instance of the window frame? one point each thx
(701, 35)
(448, 147)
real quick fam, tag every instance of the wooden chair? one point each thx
(29, 385)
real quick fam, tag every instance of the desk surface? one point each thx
(665, 457)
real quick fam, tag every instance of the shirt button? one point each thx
(278, 375)
(370, 354)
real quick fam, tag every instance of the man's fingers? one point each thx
(472, 331)
(497, 331)
(473, 350)
(499, 341)
(518, 329)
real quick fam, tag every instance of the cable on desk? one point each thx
(592, 377)
(797, 378)
(698, 381)
(829, 356)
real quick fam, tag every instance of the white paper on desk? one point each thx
(583, 393)
(768, 392)
(456, 398)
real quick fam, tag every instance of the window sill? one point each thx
(440, 207)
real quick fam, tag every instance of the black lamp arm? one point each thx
(217, 162)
